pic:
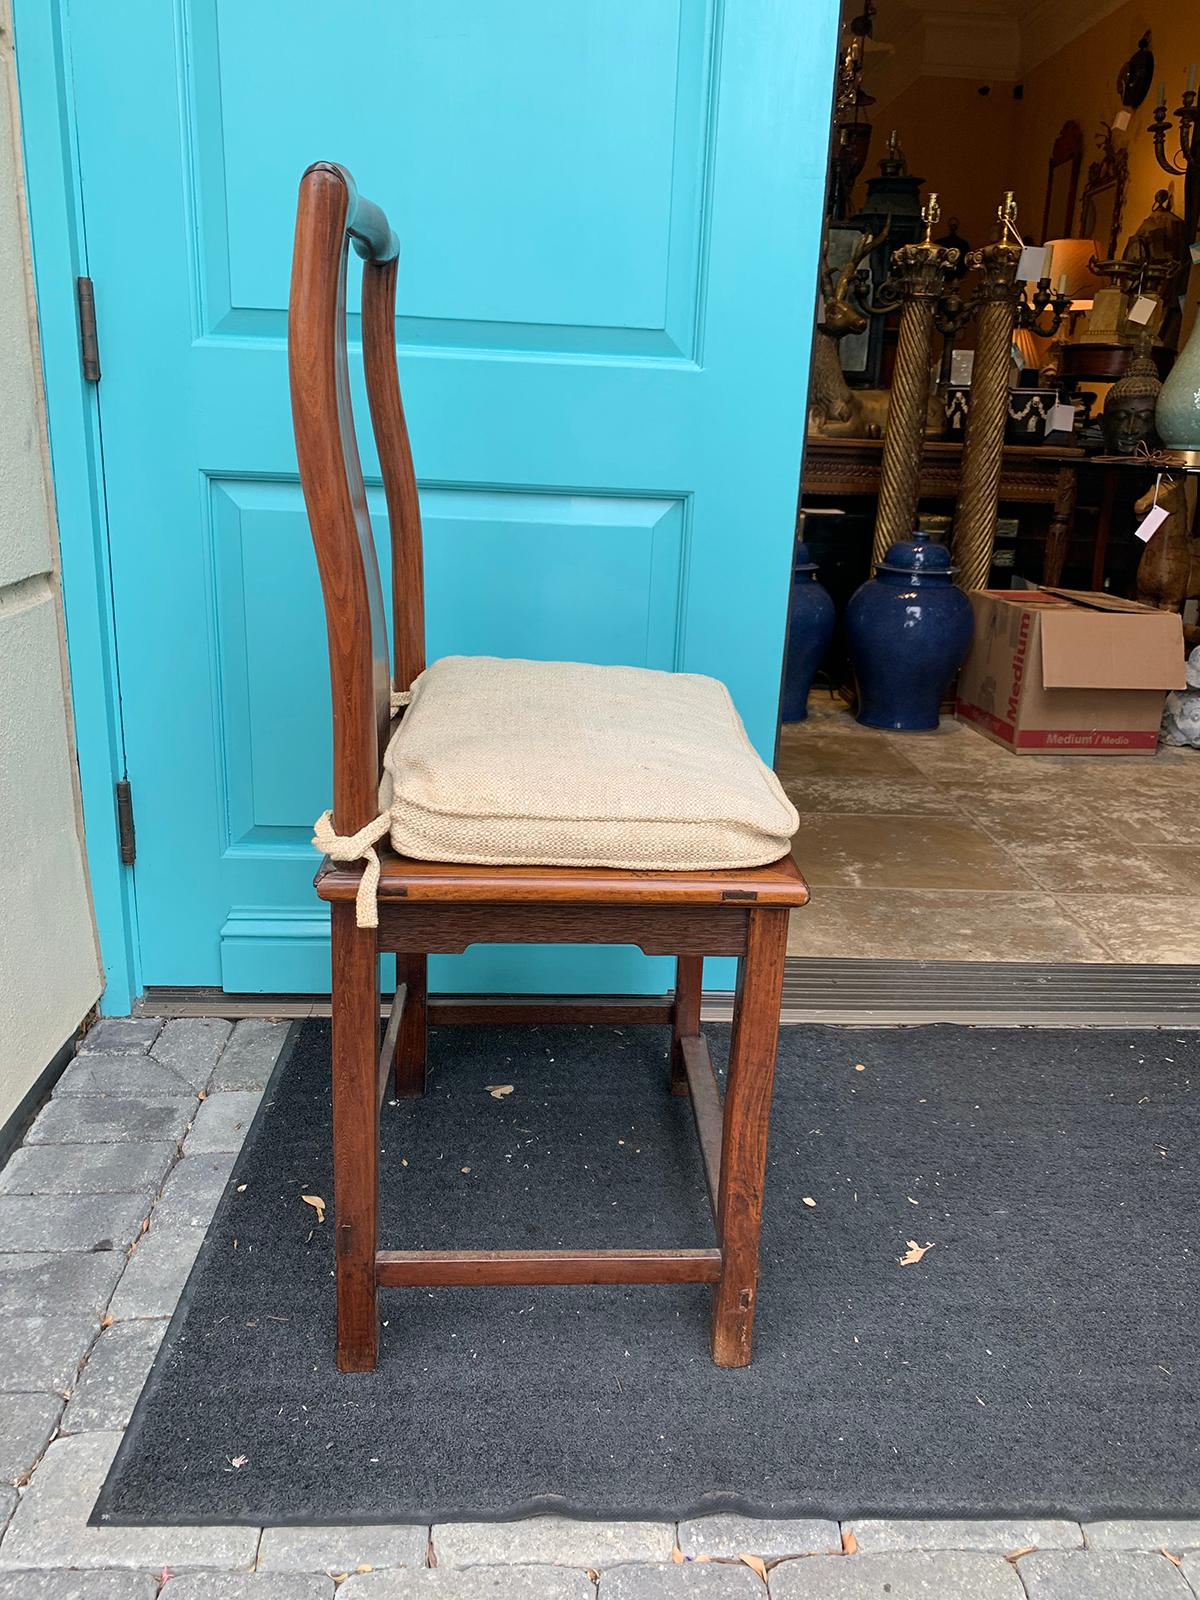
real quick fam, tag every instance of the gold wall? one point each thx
(959, 141)
(970, 148)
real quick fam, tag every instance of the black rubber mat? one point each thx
(1039, 1358)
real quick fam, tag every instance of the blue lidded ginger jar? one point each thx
(909, 628)
(810, 628)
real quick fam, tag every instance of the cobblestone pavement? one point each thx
(96, 1241)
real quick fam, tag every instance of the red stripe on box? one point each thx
(985, 719)
(1086, 739)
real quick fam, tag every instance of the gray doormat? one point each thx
(1040, 1359)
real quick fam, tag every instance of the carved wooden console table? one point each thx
(1031, 474)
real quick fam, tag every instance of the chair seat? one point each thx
(421, 882)
(562, 764)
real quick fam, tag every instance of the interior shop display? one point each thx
(919, 275)
(1180, 161)
(1168, 574)
(1102, 203)
(1136, 76)
(951, 314)
(810, 628)
(893, 201)
(1029, 415)
(953, 240)
(1177, 412)
(1131, 278)
(1062, 182)
(1056, 671)
(1181, 714)
(908, 628)
(1160, 241)
(851, 118)
(978, 497)
(1128, 416)
(834, 408)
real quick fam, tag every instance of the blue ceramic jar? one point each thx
(909, 628)
(810, 628)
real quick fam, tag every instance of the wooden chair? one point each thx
(426, 907)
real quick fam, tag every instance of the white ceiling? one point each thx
(994, 41)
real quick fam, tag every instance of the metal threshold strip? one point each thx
(991, 993)
(839, 990)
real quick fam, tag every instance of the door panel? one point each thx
(609, 214)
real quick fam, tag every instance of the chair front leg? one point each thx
(744, 1143)
(355, 985)
(412, 1040)
(685, 1014)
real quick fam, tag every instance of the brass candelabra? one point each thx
(1032, 307)
(1182, 163)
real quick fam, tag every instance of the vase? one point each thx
(810, 628)
(1028, 413)
(1177, 413)
(909, 628)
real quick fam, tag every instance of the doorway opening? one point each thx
(1024, 874)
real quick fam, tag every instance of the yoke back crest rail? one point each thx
(331, 214)
(433, 907)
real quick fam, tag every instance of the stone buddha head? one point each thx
(1128, 416)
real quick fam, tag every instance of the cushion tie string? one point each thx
(358, 846)
(400, 697)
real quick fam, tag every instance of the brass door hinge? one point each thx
(125, 833)
(89, 344)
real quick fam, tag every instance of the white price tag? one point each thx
(1151, 522)
(1032, 264)
(1121, 120)
(1142, 308)
(1061, 419)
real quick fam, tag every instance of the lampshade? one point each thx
(1069, 259)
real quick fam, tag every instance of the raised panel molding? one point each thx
(573, 231)
(540, 574)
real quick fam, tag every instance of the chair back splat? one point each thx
(330, 214)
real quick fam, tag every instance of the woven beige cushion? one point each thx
(555, 763)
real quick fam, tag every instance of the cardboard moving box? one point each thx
(1058, 670)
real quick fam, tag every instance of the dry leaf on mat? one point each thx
(316, 1202)
(677, 1555)
(849, 1542)
(498, 1090)
(808, 1200)
(756, 1564)
(1172, 1557)
(1025, 1550)
(238, 1461)
(858, 1067)
(914, 1252)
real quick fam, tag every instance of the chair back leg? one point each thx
(685, 1015)
(744, 1147)
(411, 1040)
(355, 978)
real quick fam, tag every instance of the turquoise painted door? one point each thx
(609, 212)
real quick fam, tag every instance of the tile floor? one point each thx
(944, 846)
